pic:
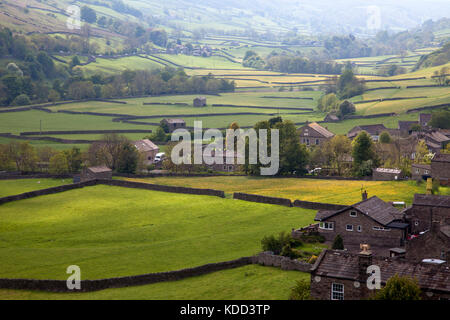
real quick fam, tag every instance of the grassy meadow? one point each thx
(111, 232)
(12, 187)
(251, 282)
(329, 191)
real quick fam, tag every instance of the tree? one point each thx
(338, 150)
(363, 152)
(348, 85)
(338, 243)
(21, 100)
(108, 151)
(440, 119)
(23, 155)
(422, 153)
(74, 159)
(440, 77)
(59, 164)
(385, 137)
(328, 103)
(128, 159)
(75, 61)
(88, 14)
(301, 290)
(346, 108)
(399, 288)
(81, 90)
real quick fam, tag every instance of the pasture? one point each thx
(112, 232)
(251, 282)
(328, 191)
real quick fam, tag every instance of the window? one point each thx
(327, 225)
(337, 291)
(359, 228)
(149, 158)
(230, 168)
(224, 168)
(442, 254)
(349, 227)
(307, 142)
(426, 172)
(353, 214)
(381, 229)
(317, 141)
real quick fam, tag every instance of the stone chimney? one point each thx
(364, 261)
(364, 195)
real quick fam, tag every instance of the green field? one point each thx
(112, 232)
(12, 187)
(246, 283)
(329, 191)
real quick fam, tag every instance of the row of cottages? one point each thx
(343, 274)
(314, 134)
(340, 275)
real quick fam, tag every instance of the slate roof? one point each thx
(431, 200)
(375, 208)
(372, 129)
(99, 169)
(423, 166)
(321, 130)
(441, 157)
(145, 145)
(344, 265)
(175, 120)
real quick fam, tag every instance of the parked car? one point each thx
(160, 157)
(315, 171)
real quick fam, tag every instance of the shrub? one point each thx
(21, 100)
(399, 288)
(338, 243)
(435, 186)
(278, 244)
(313, 259)
(301, 291)
(385, 137)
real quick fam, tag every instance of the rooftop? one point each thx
(431, 200)
(324, 132)
(344, 265)
(145, 145)
(99, 169)
(375, 208)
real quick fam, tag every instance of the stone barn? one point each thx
(92, 173)
(314, 134)
(174, 124)
(385, 174)
(200, 102)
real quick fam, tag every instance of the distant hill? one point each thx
(436, 58)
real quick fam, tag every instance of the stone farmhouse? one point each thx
(426, 209)
(420, 171)
(147, 149)
(341, 275)
(374, 130)
(92, 173)
(371, 221)
(313, 134)
(200, 102)
(174, 124)
(440, 168)
(432, 244)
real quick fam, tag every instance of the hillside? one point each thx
(436, 58)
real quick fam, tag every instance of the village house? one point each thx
(420, 171)
(385, 174)
(92, 173)
(405, 127)
(148, 150)
(341, 275)
(425, 209)
(174, 124)
(230, 162)
(440, 168)
(374, 130)
(313, 134)
(331, 117)
(371, 221)
(432, 244)
(200, 102)
(424, 119)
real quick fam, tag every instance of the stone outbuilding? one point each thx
(92, 173)
(386, 174)
(440, 168)
(174, 124)
(200, 102)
